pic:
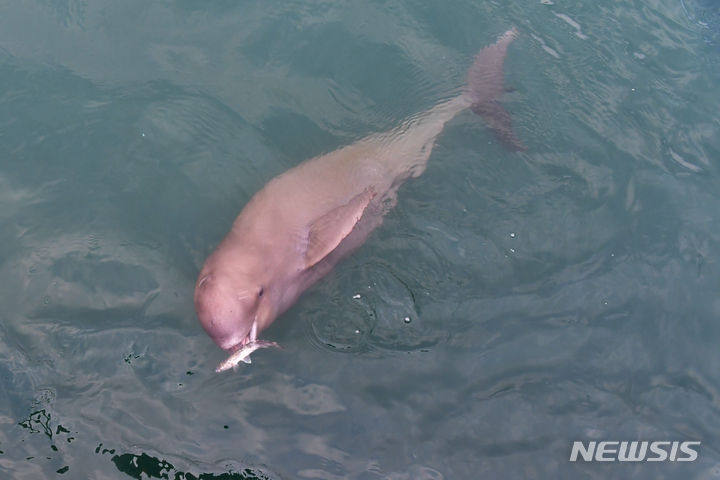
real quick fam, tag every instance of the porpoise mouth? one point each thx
(250, 337)
(234, 348)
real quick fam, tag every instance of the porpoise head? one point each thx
(230, 313)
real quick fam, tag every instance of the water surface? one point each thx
(510, 304)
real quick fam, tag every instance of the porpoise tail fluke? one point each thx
(485, 87)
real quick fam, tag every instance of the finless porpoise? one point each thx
(298, 226)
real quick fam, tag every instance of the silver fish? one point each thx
(242, 354)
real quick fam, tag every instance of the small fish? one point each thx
(243, 354)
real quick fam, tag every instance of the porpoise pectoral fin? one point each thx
(247, 360)
(326, 232)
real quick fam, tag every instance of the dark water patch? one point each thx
(143, 465)
(44, 442)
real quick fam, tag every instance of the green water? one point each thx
(511, 304)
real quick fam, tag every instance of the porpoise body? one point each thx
(301, 223)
